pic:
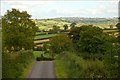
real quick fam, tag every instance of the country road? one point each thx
(43, 69)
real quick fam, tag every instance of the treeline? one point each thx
(87, 20)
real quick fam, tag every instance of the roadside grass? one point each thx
(69, 65)
(61, 69)
(27, 70)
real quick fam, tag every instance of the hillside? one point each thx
(47, 24)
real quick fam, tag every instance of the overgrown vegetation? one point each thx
(94, 54)
(14, 63)
(80, 51)
(18, 32)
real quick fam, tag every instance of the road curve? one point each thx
(43, 69)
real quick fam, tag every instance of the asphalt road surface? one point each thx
(43, 69)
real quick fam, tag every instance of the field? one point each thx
(110, 31)
(41, 41)
(47, 24)
(46, 36)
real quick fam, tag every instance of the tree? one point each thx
(18, 30)
(93, 40)
(72, 25)
(118, 25)
(60, 43)
(65, 26)
(111, 26)
(74, 35)
(55, 29)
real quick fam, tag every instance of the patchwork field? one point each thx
(47, 24)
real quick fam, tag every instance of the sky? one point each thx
(44, 9)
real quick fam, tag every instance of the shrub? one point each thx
(60, 43)
(77, 67)
(14, 63)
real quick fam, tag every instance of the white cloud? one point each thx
(28, 2)
(35, 8)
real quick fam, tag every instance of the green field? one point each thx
(48, 24)
(41, 33)
(44, 36)
(111, 31)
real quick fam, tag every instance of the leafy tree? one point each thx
(60, 43)
(74, 34)
(118, 25)
(72, 25)
(93, 40)
(55, 29)
(65, 26)
(18, 30)
(111, 26)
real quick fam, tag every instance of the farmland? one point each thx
(58, 40)
(68, 53)
(46, 36)
(64, 61)
(46, 24)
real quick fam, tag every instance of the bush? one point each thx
(77, 67)
(60, 43)
(111, 61)
(14, 63)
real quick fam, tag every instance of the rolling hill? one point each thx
(47, 24)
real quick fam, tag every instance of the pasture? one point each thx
(46, 36)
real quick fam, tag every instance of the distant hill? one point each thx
(87, 20)
(100, 22)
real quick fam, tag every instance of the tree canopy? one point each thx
(60, 43)
(93, 40)
(65, 26)
(118, 25)
(72, 25)
(18, 30)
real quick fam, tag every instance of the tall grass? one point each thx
(70, 65)
(14, 63)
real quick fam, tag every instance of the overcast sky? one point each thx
(52, 9)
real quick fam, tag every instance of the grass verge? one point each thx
(27, 70)
(61, 69)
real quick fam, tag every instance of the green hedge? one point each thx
(74, 66)
(14, 63)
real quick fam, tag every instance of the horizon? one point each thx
(57, 9)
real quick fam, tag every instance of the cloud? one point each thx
(28, 2)
(59, 8)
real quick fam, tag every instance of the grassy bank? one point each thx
(17, 64)
(69, 65)
(27, 70)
